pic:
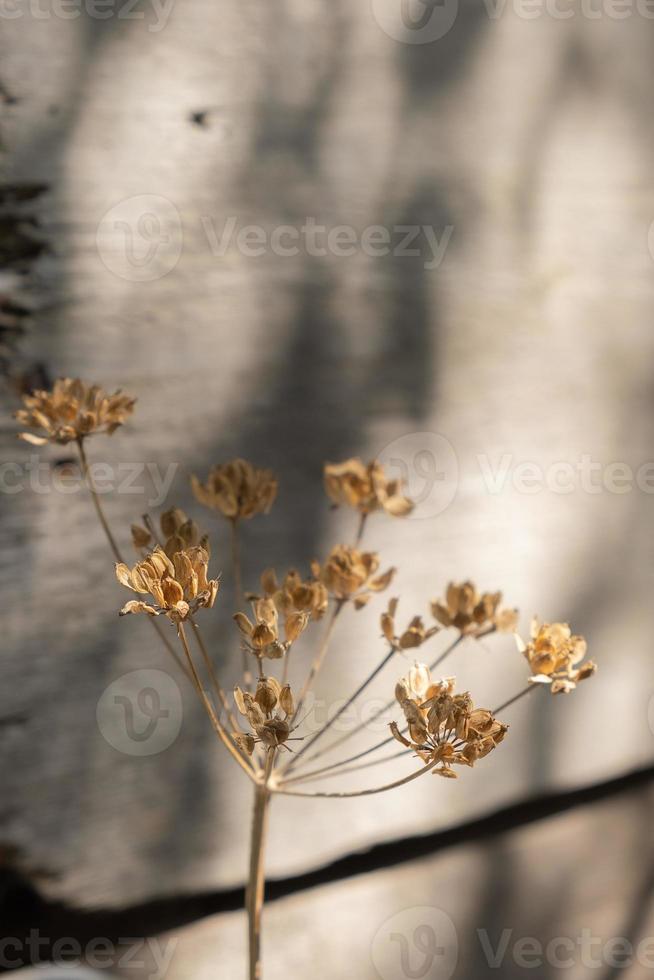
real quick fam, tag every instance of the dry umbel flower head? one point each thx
(554, 654)
(473, 613)
(237, 490)
(178, 531)
(261, 637)
(444, 727)
(413, 636)
(72, 411)
(365, 487)
(294, 594)
(178, 585)
(268, 712)
(350, 574)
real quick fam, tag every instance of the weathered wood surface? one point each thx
(532, 339)
(546, 901)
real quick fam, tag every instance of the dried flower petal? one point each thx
(237, 489)
(553, 653)
(365, 487)
(72, 410)
(471, 613)
(178, 587)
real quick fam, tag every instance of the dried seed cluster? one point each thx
(294, 594)
(72, 411)
(473, 613)
(261, 636)
(350, 574)
(268, 711)
(444, 727)
(365, 487)
(237, 490)
(178, 531)
(415, 634)
(554, 654)
(178, 585)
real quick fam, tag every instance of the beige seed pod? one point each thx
(245, 742)
(295, 625)
(141, 538)
(286, 700)
(243, 623)
(266, 694)
(171, 521)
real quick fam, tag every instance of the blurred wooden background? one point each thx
(531, 140)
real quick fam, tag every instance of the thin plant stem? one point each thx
(361, 529)
(286, 666)
(239, 598)
(387, 707)
(217, 686)
(364, 792)
(362, 687)
(257, 878)
(218, 728)
(308, 778)
(95, 497)
(337, 765)
(517, 697)
(320, 656)
(86, 473)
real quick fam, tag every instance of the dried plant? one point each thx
(263, 726)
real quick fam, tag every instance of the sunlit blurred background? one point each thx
(298, 232)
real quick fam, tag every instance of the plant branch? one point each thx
(361, 529)
(218, 728)
(217, 686)
(239, 599)
(320, 656)
(257, 879)
(517, 697)
(325, 728)
(88, 479)
(364, 792)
